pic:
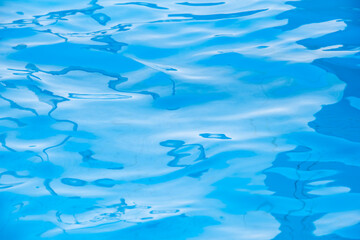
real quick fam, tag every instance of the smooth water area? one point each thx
(200, 120)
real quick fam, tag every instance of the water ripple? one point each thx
(179, 120)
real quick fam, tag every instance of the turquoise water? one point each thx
(200, 120)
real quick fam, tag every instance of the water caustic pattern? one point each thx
(201, 120)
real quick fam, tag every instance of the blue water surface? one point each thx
(174, 120)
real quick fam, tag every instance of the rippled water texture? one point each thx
(171, 120)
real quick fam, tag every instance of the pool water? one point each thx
(200, 120)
